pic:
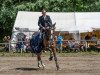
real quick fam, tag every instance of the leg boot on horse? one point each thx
(40, 63)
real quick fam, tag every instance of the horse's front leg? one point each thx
(55, 58)
(45, 45)
(51, 54)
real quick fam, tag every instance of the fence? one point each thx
(9, 45)
(6, 44)
(86, 43)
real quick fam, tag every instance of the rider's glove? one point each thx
(43, 27)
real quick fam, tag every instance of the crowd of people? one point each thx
(22, 44)
(61, 45)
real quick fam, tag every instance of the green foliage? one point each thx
(25, 7)
(9, 9)
(52, 5)
(6, 17)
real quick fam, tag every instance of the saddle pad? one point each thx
(35, 43)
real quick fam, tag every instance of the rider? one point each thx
(44, 21)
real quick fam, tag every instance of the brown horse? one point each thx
(48, 44)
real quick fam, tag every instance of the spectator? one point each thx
(6, 40)
(87, 38)
(44, 21)
(71, 43)
(94, 39)
(19, 45)
(98, 41)
(59, 42)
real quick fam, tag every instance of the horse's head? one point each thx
(49, 31)
(52, 27)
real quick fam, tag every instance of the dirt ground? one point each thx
(84, 65)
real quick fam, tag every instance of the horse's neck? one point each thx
(47, 35)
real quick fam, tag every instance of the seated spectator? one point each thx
(87, 37)
(71, 43)
(83, 46)
(94, 39)
(98, 41)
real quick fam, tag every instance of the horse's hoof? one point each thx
(43, 68)
(39, 66)
(58, 68)
(50, 59)
(44, 51)
(43, 65)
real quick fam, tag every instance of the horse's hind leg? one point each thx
(40, 63)
(38, 60)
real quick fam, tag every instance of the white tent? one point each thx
(85, 21)
(28, 22)
(81, 21)
(65, 21)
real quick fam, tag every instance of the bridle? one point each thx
(49, 31)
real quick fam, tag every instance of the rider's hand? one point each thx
(47, 27)
(43, 27)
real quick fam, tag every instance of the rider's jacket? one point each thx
(44, 21)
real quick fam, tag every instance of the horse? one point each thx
(48, 42)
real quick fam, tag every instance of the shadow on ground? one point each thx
(27, 69)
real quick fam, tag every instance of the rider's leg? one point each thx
(40, 33)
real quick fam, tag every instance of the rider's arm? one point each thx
(39, 22)
(50, 21)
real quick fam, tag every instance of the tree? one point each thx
(9, 9)
(6, 17)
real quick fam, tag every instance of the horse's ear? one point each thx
(54, 24)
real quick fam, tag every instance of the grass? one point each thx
(71, 54)
(92, 53)
(11, 54)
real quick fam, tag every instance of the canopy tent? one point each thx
(70, 21)
(77, 21)
(65, 21)
(87, 21)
